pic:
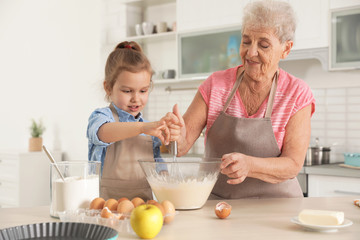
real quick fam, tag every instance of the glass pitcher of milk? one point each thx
(81, 185)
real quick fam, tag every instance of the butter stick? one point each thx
(321, 217)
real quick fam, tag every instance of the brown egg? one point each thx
(111, 204)
(222, 210)
(106, 213)
(97, 203)
(137, 201)
(122, 199)
(151, 201)
(169, 210)
(125, 208)
(154, 202)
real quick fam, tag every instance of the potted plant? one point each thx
(36, 130)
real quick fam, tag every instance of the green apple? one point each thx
(146, 220)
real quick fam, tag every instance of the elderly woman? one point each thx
(257, 116)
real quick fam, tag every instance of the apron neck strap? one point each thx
(233, 90)
(271, 95)
(114, 113)
(270, 103)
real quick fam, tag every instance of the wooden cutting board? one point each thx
(348, 166)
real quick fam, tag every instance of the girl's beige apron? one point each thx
(250, 136)
(122, 175)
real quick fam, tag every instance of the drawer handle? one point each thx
(347, 192)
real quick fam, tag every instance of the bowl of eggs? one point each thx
(186, 182)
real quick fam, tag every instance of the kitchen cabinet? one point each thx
(331, 186)
(311, 40)
(25, 178)
(345, 38)
(336, 4)
(312, 24)
(204, 52)
(204, 14)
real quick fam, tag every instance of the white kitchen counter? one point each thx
(331, 170)
(249, 219)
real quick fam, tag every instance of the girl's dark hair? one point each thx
(127, 56)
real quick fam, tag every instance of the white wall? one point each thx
(49, 69)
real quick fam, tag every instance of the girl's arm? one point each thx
(117, 131)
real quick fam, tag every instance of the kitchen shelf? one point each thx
(146, 3)
(179, 80)
(153, 37)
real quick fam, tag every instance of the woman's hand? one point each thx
(168, 129)
(236, 166)
(177, 129)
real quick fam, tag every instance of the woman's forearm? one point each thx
(195, 120)
(274, 170)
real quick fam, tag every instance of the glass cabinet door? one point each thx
(203, 53)
(345, 39)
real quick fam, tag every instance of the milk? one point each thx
(76, 192)
(186, 194)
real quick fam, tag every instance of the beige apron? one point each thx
(122, 175)
(253, 137)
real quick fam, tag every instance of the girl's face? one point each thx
(131, 91)
(261, 51)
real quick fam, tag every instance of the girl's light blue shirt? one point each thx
(97, 148)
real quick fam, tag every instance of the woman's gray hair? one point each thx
(270, 14)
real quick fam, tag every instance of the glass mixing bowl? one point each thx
(186, 182)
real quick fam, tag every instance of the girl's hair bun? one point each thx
(129, 45)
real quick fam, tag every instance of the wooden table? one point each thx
(249, 219)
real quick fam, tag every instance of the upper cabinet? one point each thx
(190, 22)
(312, 23)
(204, 52)
(205, 14)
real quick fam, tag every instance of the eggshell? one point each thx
(106, 213)
(169, 210)
(137, 201)
(122, 199)
(222, 210)
(97, 203)
(111, 204)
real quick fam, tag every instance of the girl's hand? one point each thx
(157, 129)
(236, 166)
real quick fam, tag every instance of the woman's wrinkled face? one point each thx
(261, 51)
(131, 91)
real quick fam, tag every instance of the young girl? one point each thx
(118, 135)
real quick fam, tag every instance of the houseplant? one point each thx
(36, 130)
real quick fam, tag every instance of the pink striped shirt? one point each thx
(292, 94)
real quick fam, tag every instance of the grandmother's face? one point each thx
(261, 51)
